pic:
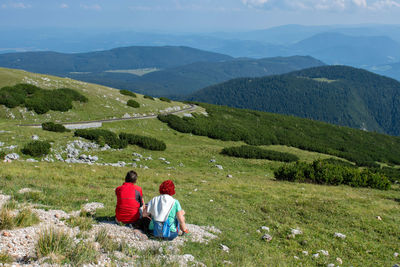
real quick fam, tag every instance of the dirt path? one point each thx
(190, 108)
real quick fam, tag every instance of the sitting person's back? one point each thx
(129, 200)
(165, 207)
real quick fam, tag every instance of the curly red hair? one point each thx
(167, 187)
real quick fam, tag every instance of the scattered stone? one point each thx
(137, 155)
(211, 200)
(137, 159)
(227, 262)
(339, 260)
(296, 258)
(316, 255)
(188, 115)
(324, 252)
(379, 218)
(12, 156)
(339, 235)
(35, 137)
(31, 160)
(7, 234)
(267, 237)
(181, 164)
(396, 265)
(396, 254)
(224, 248)
(330, 265)
(219, 167)
(305, 252)
(163, 159)
(213, 160)
(167, 162)
(27, 190)
(265, 228)
(195, 190)
(148, 158)
(229, 176)
(296, 232)
(92, 207)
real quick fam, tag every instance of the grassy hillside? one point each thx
(135, 57)
(239, 206)
(336, 94)
(104, 102)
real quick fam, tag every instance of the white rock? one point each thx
(163, 159)
(316, 255)
(339, 235)
(31, 160)
(330, 265)
(305, 252)
(296, 258)
(224, 248)
(296, 232)
(339, 260)
(137, 155)
(324, 252)
(12, 156)
(35, 137)
(195, 190)
(211, 200)
(229, 176)
(219, 167)
(267, 237)
(396, 254)
(213, 160)
(265, 228)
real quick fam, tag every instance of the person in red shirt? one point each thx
(129, 200)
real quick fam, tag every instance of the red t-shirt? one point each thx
(129, 200)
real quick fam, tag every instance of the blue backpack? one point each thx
(163, 229)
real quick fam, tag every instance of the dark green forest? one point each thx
(262, 128)
(336, 94)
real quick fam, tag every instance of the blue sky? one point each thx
(194, 15)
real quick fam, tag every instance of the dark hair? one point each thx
(131, 177)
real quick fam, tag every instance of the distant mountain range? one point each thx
(336, 94)
(183, 80)
(159, 71)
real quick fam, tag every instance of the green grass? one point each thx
(241, 205)
(83, 222)
(5, 258)
(104, 102)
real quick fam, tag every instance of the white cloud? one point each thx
(63, 5)
(16, 5)
(327, 5)
(91, 7)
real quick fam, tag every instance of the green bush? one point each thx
(165, 99)
(54, 127)
(148, 97)
(320, 172)
(101, 136)
(143, 141)
(128, 93)
(253, 152)
(36, 148)
(133, 103)
(2, 155)
(39, 100)
(393, 174)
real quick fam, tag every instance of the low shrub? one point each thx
(339, 162)
(54, 127)
(36, 148)
(133, 103)
(2, 155)
(165, 99)
(143, 141)
(253, 152)
(148, 97)
(128, 93)
(320, 172)
(393, 174)
(39, 100)
(102, 136)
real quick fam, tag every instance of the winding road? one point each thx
(82, 123)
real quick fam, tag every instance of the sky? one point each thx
(194, 15)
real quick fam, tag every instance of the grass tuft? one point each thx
(26, 218)
(6, 219)
(5, 258)
(52, 241)
(83, 222)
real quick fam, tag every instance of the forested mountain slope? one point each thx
(336, 94)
